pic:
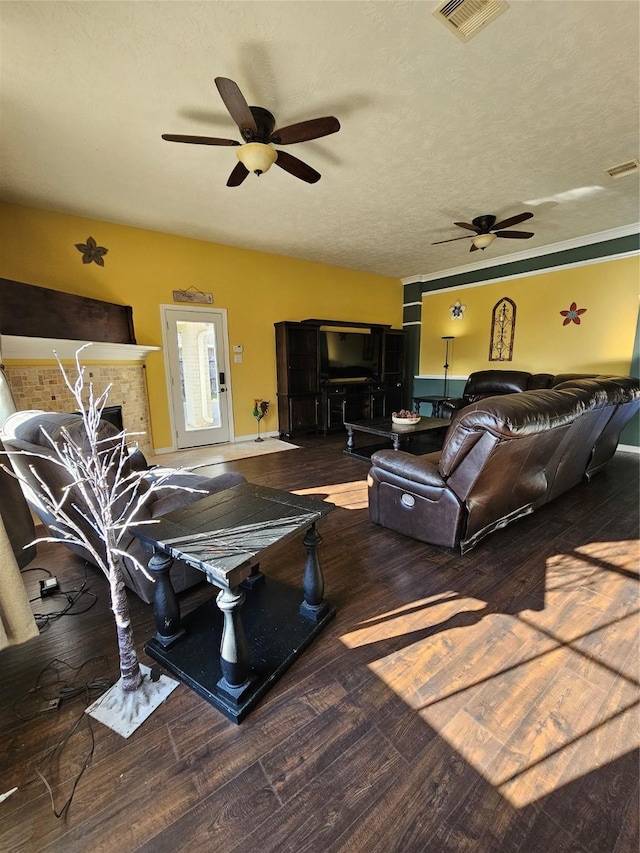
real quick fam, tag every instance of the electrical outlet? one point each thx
(49, 586)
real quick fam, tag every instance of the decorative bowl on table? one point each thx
(405, 418)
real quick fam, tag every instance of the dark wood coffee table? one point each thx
(259, 625)
(401, 436)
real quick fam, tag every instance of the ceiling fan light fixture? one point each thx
(481, 241)
(257, 157)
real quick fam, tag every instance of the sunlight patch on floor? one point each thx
(418, 617)
(532, 699)
(352, 495)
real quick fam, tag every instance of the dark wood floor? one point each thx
(477, 703)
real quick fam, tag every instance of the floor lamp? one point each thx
(446, 339)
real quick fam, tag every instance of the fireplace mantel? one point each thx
(22, 348)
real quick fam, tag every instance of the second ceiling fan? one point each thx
(257, 128)
(487, 229)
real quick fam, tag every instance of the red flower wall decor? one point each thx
(572, 315)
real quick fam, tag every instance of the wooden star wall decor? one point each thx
(92, 252)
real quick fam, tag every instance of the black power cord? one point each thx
(49, 694)
(50, 588)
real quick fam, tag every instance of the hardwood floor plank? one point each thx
(216, 820)
(335, 798)
(484, 702)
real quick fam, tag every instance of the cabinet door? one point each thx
(303, 413)
(393, 376)
(296, 359)
(393, 357)
(392, 400)
(379, 404)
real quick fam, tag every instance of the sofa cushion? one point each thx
(488, 383)
(30, 426)
(539, 380)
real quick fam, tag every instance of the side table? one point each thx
(259, 625)
(436, 404)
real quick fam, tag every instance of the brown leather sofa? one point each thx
(502, 457)
(489, 383)
(23, 431)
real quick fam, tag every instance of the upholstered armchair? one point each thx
(24, 434)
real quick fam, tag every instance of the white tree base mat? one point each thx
(125, 710)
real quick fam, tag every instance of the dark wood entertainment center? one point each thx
(311, 399)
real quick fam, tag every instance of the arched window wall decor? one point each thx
(503, 327)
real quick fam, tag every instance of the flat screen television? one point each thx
(353, 356)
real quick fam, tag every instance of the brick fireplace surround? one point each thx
(42, 387)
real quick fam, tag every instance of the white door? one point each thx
(197, 366)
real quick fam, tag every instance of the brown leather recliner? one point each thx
(489, 383)
(23, 431)
(503, 457)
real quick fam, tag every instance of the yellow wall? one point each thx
(603, 342)
(142, 268)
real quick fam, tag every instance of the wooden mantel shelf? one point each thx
(19, 348)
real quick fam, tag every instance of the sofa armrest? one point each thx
(175, 498)
(416, 469)
(453, 404)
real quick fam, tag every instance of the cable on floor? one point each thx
(61, 690)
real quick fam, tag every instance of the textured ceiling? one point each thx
(525, 116)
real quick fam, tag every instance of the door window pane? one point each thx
(198, 361)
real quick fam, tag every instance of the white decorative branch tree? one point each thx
(113, 496)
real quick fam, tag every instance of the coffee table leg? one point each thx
(313, 606)
(351, 445)
(234, 649)
(166, 610)
(256, 578)
(396, 441)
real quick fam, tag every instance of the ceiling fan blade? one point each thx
(198, 140)
(453, 239)
(305, 130)
(297, 168)
(234, 101)
(515, 235)
(467, 225)
(513, 220)
(238, 175)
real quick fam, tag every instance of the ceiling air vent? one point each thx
(624, 169)
(466, 18)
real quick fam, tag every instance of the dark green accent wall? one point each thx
(608, 248)
(544, 263)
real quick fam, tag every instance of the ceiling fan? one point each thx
(487, 229)
(256, 125)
